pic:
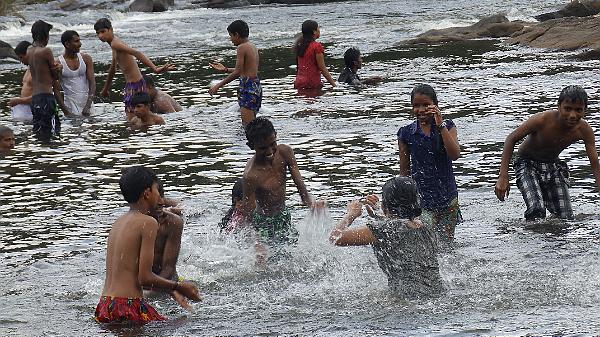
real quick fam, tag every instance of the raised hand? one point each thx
(218, 67)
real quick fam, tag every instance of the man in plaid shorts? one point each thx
(541, 177)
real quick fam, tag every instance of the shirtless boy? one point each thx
(125, 57)
(44, 72)
(168, 237)
(143, 117)
(264, 184)
(161, 101)
(130, 255)
(77, 77)
(21, 106)
(542, 178)
(246, 68)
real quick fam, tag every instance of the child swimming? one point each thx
(310, 59)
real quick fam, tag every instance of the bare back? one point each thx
(549, 137)
(124, 254)
(27, 88)
(249, 53)
(40, 63)
(126, 62)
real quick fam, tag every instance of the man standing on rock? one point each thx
(44, 72)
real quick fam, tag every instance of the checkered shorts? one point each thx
(544, 186)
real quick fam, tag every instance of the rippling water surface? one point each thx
(503, 277)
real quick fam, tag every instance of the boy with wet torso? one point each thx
(246, 68)
(541, 177)
(264, 183)
(125, 57)
(130, 256)
(21, 106)
(143, 117)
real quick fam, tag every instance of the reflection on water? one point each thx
(503, 276)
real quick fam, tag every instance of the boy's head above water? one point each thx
(262, 138)
(21, 51)
(40, 31)
(139, 183)
(141, 103)
(238, 31)
(103, 29)
(7, 138)
(352, 58)
(399, 197)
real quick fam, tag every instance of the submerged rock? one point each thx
(7, 51)
(574, 8)
(492, 26)
(150, 5)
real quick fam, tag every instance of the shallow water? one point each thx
(503, 277)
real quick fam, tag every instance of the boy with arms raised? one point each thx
(542, 178)
(130, 255)
(246, 68)
(20, 107)
(264, 184)
(143, 117)
(125, 57)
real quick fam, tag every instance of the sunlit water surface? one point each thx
(503, 277)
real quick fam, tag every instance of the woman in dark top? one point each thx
(406, 250)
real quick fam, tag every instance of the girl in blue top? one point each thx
(427, 148)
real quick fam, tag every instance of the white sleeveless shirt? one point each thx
(75, 85)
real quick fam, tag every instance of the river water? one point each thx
(503, 277)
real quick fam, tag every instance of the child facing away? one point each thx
(406, 250)
(246, 68)
(234, 219)
(20, 107)
(264, 184)
(143, 117)
(310, 59)
(130, 255)
(161, 101)
(353, 61)
(427, 148)
(542, 178)
(125, 57)
(7, 139)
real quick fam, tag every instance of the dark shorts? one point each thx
(276, 228)
(544, 186)
(125, 310)
(130, 89)
(250, 93)
(45, 114)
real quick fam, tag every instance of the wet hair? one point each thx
(308, 30)
(237, 194)
(240, 28)
(259, 129)
(103, 23)
(573, 93)
(135, 180)
(400, 197)
(140, 98)
(5, 130)
(67, 36)
(21, 48)
(350, 56)
(40, 30)
(424, 89)
(149, 79)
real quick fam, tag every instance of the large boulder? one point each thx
(72, 5)
(7, 51)
(149, 5)
(569, 33)
(493, 26)
(573, 8)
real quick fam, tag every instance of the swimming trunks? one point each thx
(250, 93)
(21, 113)
(443, 220)
(544, 185)
(122, 309)
(130, 89)
(275, 228)
(46, 120)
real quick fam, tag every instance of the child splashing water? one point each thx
(405, 248)
(310, 59)
(234, 219)
(427, 148)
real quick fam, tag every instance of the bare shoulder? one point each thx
(285, 150)
(86, 58)
(171, 220)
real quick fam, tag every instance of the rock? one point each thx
(7, 51)
(574, 8)
(568, 33)
(71, 5)
(149, 5)
(494, 26)
(241, 3)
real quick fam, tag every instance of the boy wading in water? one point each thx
(125, 57)
(130, 256)
(246, 68)
(264, 182)
(542, 178)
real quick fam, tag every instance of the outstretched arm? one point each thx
(341, 235)
(120, 46)
(239, 65)
(590, 149)
(109, 76)
(296, 176)
(321, 64)
(91, 79)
